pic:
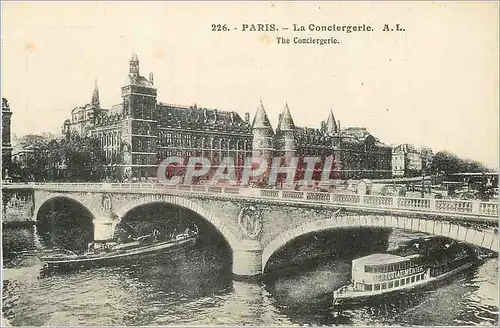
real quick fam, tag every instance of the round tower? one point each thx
(286, 143)
(263, 135)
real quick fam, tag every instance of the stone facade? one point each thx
(140, 132)
(406, 161)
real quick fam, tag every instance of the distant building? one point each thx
(139, 132)
(6, 141)
(406, 161)
(427, 156)
(23, 154)
(25, 147)
(25, 151)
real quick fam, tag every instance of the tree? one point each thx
(32, 167)
(71, 158)
(83, 157)
(450, 163)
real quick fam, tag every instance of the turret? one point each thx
(285, 134)
(134, 66)
(263, 134)
(331, 124)
(95, 97)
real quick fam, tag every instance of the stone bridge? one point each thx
(258, 222)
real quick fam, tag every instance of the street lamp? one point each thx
(424, 166)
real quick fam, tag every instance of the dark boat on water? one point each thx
(117, 254)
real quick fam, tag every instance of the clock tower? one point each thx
(139, 136)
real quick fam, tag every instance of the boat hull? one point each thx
(125, 256)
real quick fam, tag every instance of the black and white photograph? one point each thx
(267, 163)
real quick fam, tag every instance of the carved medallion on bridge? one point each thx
(250, 221)
(107, 204)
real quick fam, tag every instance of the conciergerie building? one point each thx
(140, 132)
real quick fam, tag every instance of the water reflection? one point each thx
(16, 242)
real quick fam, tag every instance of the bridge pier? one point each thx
(247, 260)
(103, 229)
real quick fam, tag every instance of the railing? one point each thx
(475, 207)
(488, 208)
(383, 201)
(292, 194)
(462, 206)
(318, 196)
(343, 198)
(414, 203)
(269, 193)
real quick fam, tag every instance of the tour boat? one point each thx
(121, 253)
(377, 275)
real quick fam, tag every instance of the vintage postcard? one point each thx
(250, 163)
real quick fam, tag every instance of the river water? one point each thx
(199, 290)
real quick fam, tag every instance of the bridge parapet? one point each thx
(425, 205)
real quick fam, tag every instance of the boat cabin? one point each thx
(386, 271)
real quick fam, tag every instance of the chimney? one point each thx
(280, 115)
(338, 124)
(247, 118)
(151, 78)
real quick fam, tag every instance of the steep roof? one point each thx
(357, 132)
(331, 123)
(261, 121)
(141, 80)
(196, 118)
(286, 120)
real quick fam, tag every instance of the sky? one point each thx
(434, 84)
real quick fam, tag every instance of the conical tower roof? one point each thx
(331, 123)
(95, 95)
(134, 57)
(261, 121)
(286, 121)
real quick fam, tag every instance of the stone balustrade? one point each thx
(461, 206)
(345, 198)
(382, 201)
(423, 203)
(488, 208)
(475, 207)
(292, 194)
(318, 196)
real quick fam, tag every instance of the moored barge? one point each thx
(122, 253)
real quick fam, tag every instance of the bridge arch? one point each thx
(183, 203)
(468, 234)
(69, 197)
(64, 221)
